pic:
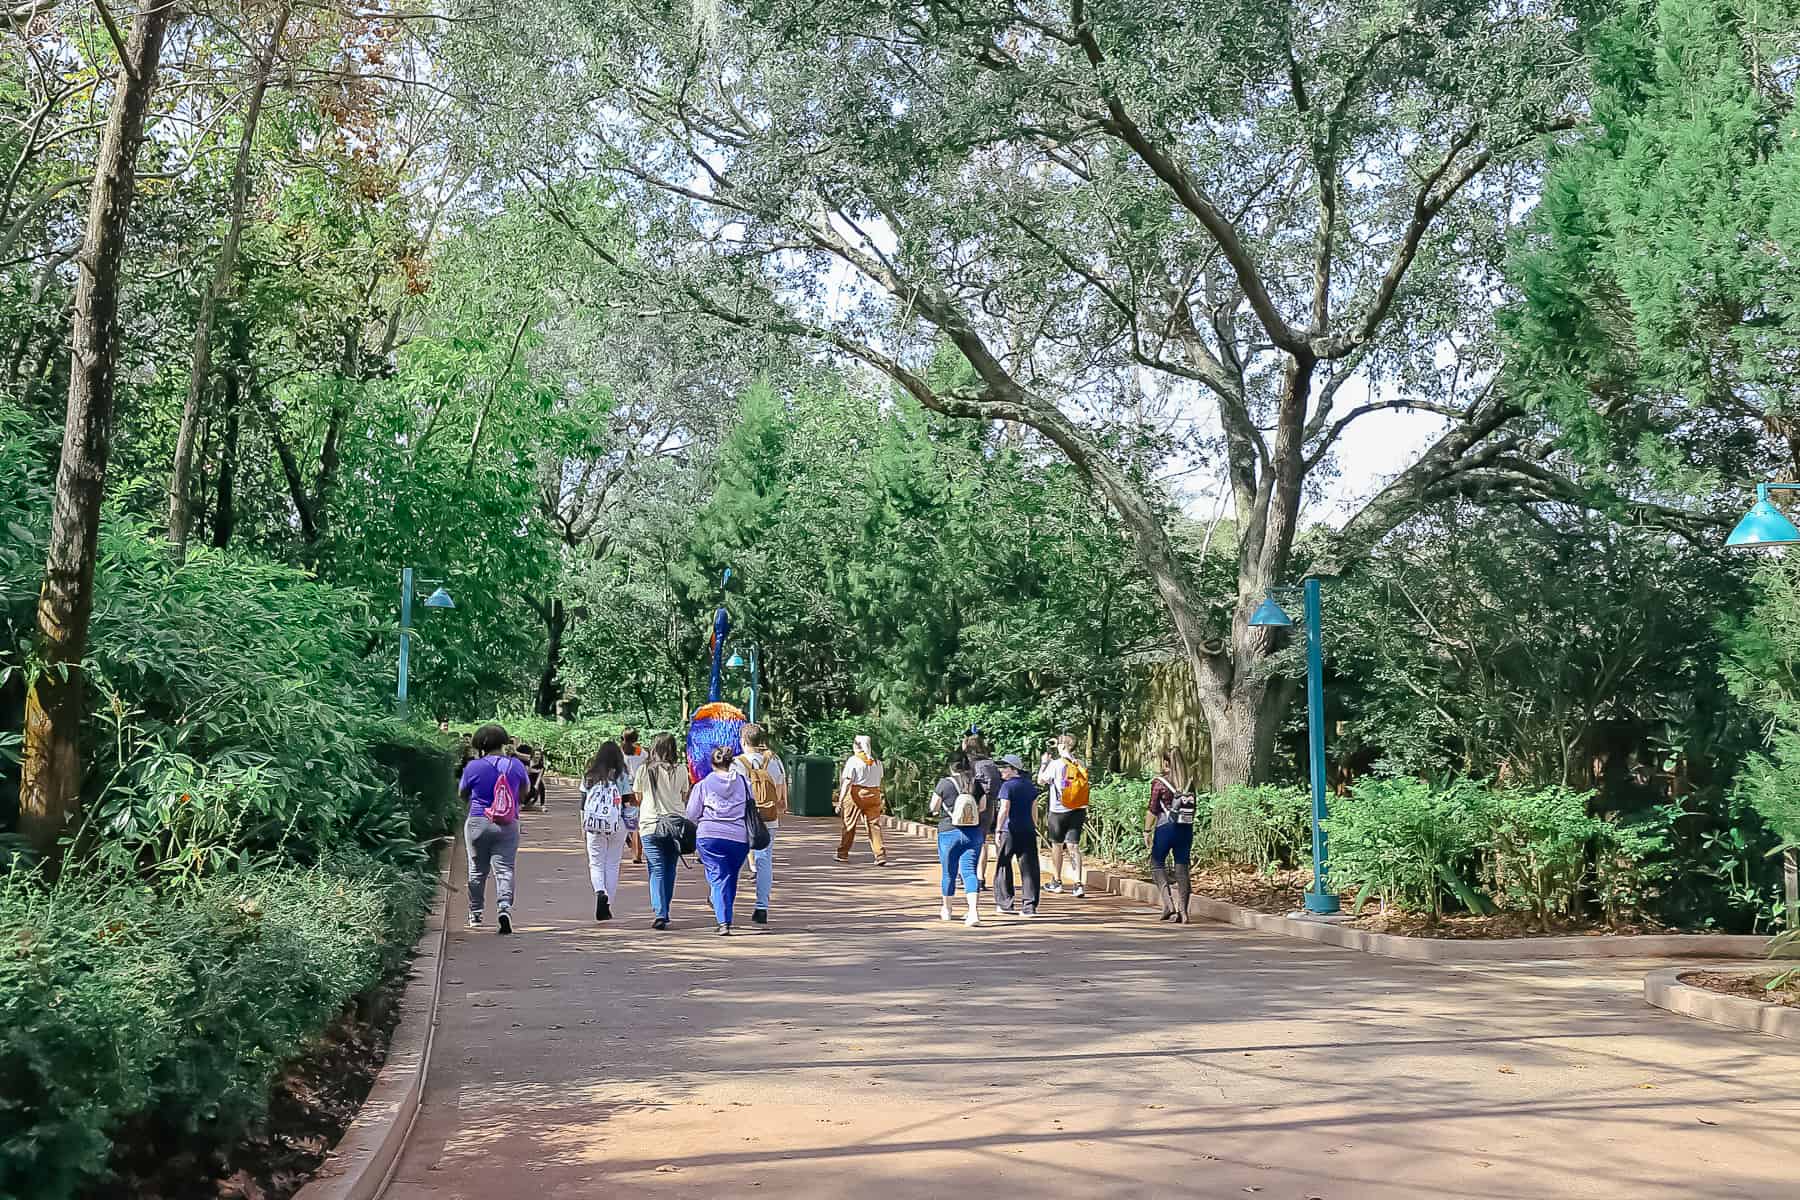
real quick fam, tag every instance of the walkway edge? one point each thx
(1664, 989)
(361, 1164)
(1450, 950)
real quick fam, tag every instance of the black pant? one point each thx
(1023, 847)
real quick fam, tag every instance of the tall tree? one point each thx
(51, 782)
(200, 370)
(1259, 230)
(1659, 322)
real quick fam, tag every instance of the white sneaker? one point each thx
(1053, 886)
(1080, 891)
(973, 919)
(944, 912)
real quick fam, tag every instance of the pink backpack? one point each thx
(503, 809)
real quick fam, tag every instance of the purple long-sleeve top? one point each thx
(716, 807)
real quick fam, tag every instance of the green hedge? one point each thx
(175, 1010)
(1247, 828)
(1420, 845)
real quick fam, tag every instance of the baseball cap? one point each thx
(1013, 761)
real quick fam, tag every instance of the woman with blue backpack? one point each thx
(493, 784)
(1169, 833)
(605, 793)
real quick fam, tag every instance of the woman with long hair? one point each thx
(1169, 832)
(958, 802)
(719, 808)
(661, 789)
(603, 791)
(634, 762)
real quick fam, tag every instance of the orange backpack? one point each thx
(1075, 785)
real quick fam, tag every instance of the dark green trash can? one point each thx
(814, 789)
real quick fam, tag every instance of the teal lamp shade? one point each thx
(1269, 614)
(735, 662)
(1763, 525)
(439, 599)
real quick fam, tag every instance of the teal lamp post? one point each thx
(1765, 527)
(438, 599)
(1269, 615)
(1764, 524)
(736, 663)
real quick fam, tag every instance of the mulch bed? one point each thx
(313, 1102)
(1284, 892)
(1745, 985)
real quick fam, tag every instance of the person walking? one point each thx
(1066, 779)
(1169, 831)
(981, 761)
(634, 762)
(957, 802)
(493, 784)
(1015, 839)
(660, 786)
(718, 806)
(604, 789)
(763, 770)
(860, 799)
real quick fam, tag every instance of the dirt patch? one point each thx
(1283, 892)
(313, 1102)
(1746, 985)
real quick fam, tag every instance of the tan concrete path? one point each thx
(859, 1048)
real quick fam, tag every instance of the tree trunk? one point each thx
(180, 515)
(225, 518)
(50, 787)
(556, 619)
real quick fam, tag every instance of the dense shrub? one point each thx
(1407, 841)
(1259, 828)
(1115, 824)
(174, 1007)
(1537, 843)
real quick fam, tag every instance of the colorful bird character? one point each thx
(715, 723)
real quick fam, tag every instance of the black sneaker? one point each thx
(660, 923)
(474, 920)
(602, 907)
(760, 916)
(505, 922)
(1007, 911)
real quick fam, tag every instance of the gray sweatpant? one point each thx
(491, 843)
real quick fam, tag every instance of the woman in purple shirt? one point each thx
(717, 807)
(491, 843)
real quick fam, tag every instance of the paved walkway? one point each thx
(859, 1048)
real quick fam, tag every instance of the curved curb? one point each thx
(1664, 989)
(360, 1165)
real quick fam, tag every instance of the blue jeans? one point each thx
(661, 855)
(1171, 838)
(958, 852)
(762, 868)
(723, 859)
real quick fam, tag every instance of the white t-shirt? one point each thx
(768, 760)
(1055, 776)
(862, 774)
(633, 764)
